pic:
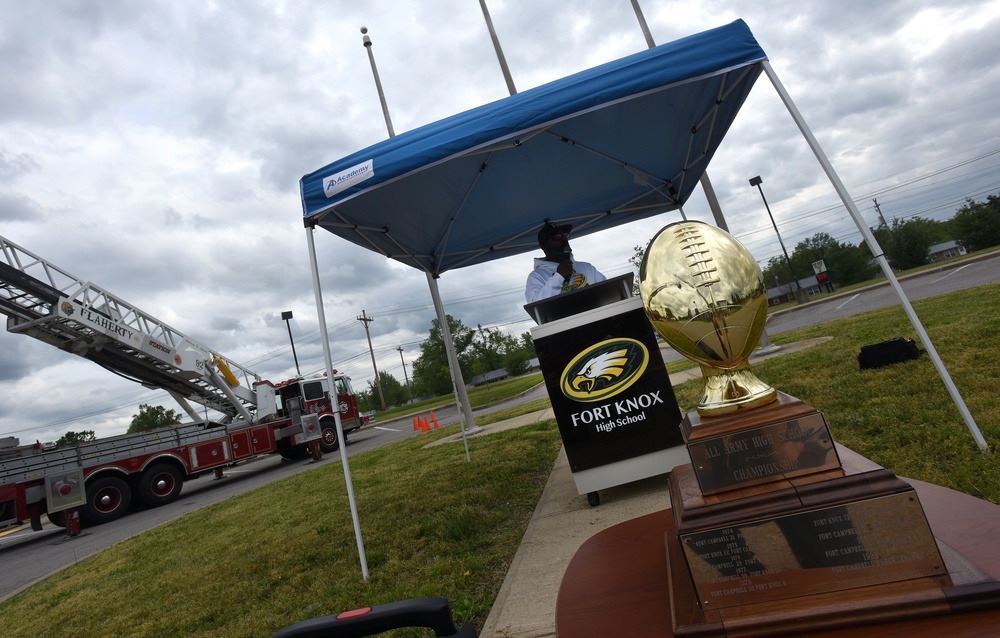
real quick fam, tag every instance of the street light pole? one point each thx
(409, 390)
(365, 319)
(286, 316)
(756, 181)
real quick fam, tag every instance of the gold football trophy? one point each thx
(705, 295)
(769, 523)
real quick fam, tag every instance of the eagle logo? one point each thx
(606, 366)
(604, 369)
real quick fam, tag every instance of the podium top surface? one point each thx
(577, 301)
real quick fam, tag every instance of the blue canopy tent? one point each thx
(609, 145)
(613, 144)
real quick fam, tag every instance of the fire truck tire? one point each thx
(108, 499)
(294, 453)
(57, 518)
(160, 484)
(329, 443)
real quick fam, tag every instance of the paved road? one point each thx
(28, 556)
(930, 283)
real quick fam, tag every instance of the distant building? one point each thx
(946, 250)
(488, 377)
(785, 293)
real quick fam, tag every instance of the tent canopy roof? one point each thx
(612, 144)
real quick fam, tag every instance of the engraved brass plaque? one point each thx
(786, 449)
(875, 541)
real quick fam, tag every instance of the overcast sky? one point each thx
(155, 147)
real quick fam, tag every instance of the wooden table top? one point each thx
(617, 583)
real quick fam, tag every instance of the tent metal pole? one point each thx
(706, 184)
(325, 337)
(496, 47)
(458, 382)
(879, 256)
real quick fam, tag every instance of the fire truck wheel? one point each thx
(329, 443)
(57, 518)
(160, 484)
(294, 453)
(108, 498)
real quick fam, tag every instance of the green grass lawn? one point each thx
(435, 525)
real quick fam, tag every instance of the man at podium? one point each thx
(557, 272)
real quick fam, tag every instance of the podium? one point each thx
(610, 392)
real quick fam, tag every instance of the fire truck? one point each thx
(97, 481)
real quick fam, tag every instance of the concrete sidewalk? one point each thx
(526, 604)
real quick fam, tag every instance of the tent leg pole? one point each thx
(879, 255)
(456, 370)
(325, 337)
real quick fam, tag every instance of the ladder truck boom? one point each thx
(48, 303)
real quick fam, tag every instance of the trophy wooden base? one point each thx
(786, 438)
(837, 548)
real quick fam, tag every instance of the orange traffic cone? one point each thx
(436, 426)
(425, 425)
(415, 425)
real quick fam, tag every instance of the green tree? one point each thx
(517, 361)
(489, 348)
(75, 438)
(153, 416)
(909, 241)
(976, 225)
(431, 375)
(851, 264)
(367, 399)
(848, 264)
(810, 250)
(395, 393)
(777, 272)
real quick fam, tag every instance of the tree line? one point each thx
(479, 350)
(906, 244)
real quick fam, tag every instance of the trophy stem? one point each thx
(728, 390)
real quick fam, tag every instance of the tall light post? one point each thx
(756, 181)
(286, 316)
(409, 390)
(365, 319)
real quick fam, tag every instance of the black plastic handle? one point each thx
(433, 613)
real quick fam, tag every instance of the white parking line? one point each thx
(847, 302)
(950, 273)
(378, 427)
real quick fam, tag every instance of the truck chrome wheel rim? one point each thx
(108, 499)
(163, 484)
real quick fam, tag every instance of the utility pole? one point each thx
(365, 319)
(409, 390)
(879, 211)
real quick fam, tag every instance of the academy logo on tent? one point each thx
(345, 179)
(604, 370)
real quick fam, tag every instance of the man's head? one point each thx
(553, 239)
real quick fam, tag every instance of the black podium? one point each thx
(608, 386)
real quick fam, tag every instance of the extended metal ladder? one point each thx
(46, 302)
